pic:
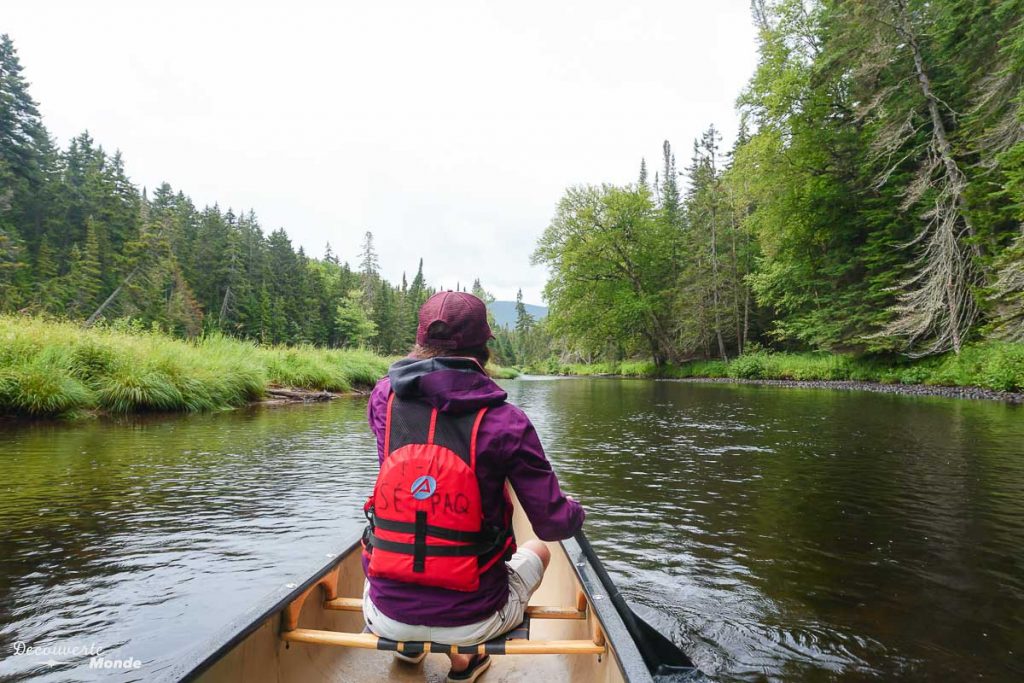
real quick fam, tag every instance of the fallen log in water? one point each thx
(300, 394)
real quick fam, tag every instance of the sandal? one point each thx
(477, 665)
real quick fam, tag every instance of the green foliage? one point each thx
(499, 372)
(41, 388)
(132, 388)
(307, 367)
(993, 365)
(609, 252)
(872, 205)
(353, 325)
(74, 231)
(52, 368)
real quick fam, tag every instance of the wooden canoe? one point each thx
(312, 632)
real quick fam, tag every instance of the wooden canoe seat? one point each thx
(515, 642)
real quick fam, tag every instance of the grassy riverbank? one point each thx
(51, 368)
(991, 365)
(58, 369)
(499, 372)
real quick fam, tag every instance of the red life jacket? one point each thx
(426, 522)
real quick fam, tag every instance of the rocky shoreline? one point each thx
(975, 393)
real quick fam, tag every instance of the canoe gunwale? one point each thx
(202, 658)
(618, 639)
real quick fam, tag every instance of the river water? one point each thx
(778, 534)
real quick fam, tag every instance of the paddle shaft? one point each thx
(634, 624)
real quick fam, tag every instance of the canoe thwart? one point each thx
(497, 646)
(533, 611)
(515, 642)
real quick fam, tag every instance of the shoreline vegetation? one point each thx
(991, 370)
(57, 369)
(870, 205)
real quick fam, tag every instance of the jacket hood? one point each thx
(450, 384)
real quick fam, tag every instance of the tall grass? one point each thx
(55, 368)
(501, 372)
(992, 365)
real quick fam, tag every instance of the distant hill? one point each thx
(505, 312)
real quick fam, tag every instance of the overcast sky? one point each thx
(448, 129)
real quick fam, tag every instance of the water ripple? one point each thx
(779, 535)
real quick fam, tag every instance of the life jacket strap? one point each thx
(373, 542)
(431, 530)
(419, 553)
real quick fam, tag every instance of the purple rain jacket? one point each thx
(507, 448)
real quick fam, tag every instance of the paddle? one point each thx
(660, 654)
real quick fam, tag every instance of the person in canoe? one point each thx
(441, 562)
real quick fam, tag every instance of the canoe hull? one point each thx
(256, 653)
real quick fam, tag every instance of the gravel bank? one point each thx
(977, 393)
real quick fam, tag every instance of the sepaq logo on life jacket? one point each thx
(426, 519)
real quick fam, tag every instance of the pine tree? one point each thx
(936, 308)
(824, 233)
(10, 263)
(84, 279)
(706, 293)
(1007, 293)
(23, 146)
(414, 300)
(524, 321)
(385, 319)
(369, 266)
(48, 295)
(669, 187)
(329, 255)
(183, 315)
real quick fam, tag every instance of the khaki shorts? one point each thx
(525, 571)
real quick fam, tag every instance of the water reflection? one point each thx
(143, 537)
(806, 535)
(779, 534)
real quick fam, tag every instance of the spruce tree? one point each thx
(84, 276)
(669, 186)
(48, 295)
(369, 266)
(11, 262)
(23, 146)
(524, 321)
(900, 81)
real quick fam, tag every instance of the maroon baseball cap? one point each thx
(464, 317)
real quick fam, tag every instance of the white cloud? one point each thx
(449, 129)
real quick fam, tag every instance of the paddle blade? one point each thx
(671, 659)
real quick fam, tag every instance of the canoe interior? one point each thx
(263, 657)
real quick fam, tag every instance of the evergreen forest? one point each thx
(78, 240)
(871, 205)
